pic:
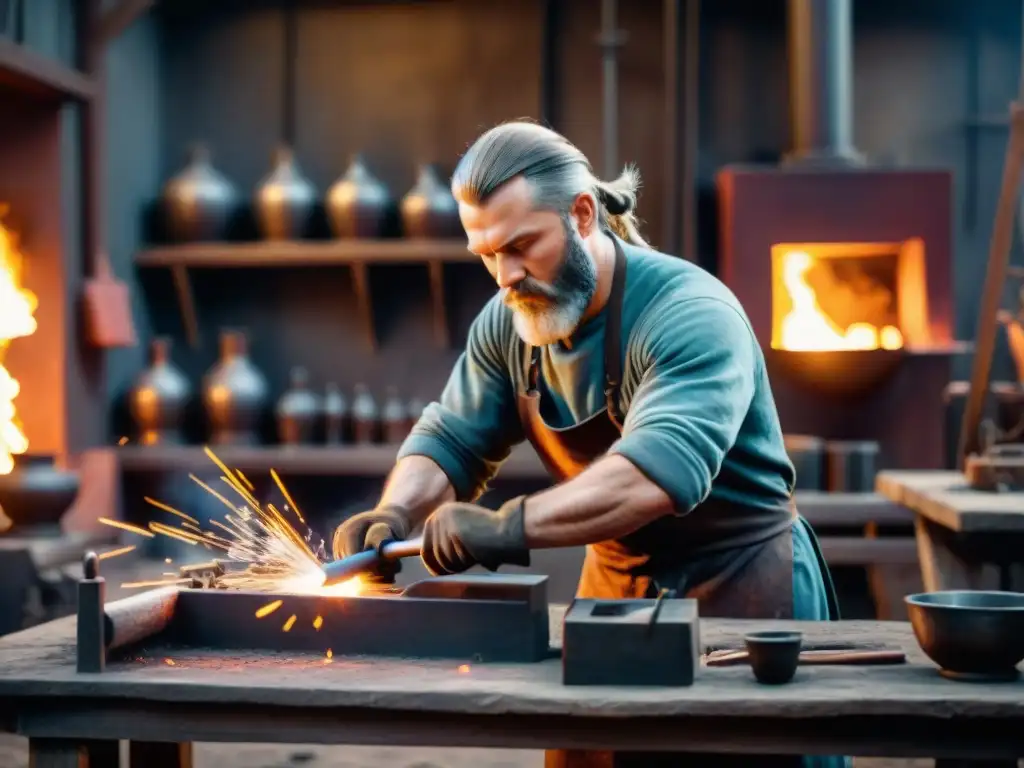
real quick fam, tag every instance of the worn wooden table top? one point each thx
(39, 664)
(944, 498)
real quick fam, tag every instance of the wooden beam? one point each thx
(115, 21)
(998, 259)
(32, 73)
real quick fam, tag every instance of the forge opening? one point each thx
(848, 296)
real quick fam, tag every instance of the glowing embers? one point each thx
(842, 313)
(848, 296)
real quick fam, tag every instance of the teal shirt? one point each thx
(700, 420)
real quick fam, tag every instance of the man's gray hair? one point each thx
(556, 170)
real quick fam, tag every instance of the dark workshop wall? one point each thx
(414, 82)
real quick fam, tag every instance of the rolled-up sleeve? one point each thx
(700, 374)
(470, 431)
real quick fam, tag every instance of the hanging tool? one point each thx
(348, 567)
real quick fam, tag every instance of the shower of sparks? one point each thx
(265, 542)
(116, 552)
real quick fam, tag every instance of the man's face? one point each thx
(545, 273)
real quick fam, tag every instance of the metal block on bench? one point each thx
(631, 642)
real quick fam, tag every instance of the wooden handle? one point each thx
(814, 658)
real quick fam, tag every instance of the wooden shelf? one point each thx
(851, 510)
(330, 461)
(32, 73)
(314, 253)
(357, 255)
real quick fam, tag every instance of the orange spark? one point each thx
(127, 527)
(318, 622)
(268, 609)
(289, 624)
(116, 552)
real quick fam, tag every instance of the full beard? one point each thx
(543, 313)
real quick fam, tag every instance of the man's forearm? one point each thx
(419, 485)
(610, 499)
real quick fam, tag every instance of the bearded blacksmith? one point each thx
(636, 377)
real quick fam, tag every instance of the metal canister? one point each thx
(852, 465)
(808, 456)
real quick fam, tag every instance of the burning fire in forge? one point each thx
(17, 310)
(823, 304)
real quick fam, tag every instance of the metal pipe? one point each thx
(551, 63)
(821, 80)
(610, 41)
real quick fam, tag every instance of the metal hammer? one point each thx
(347, 567)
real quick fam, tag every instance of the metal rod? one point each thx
(361, 562)
(610, 42)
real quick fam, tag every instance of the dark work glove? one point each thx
(369, 530)
(458, 536)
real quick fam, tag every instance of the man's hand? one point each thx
(369, 530)
(458, 536)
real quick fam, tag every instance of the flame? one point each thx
(806, 328)
(311, 582)
(17, 310)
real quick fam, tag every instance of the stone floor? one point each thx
(14, 754)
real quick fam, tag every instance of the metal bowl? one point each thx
(970, 635)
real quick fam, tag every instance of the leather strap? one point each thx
(613, 337)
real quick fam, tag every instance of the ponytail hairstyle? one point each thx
(556, 170)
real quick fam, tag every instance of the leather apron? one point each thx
(753, 581)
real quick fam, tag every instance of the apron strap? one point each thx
(826, 574)
(613, 338)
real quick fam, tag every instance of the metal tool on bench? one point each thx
(347, 567)
(1000, 465)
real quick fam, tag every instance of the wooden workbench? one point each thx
(961, 533)
(906, 710)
